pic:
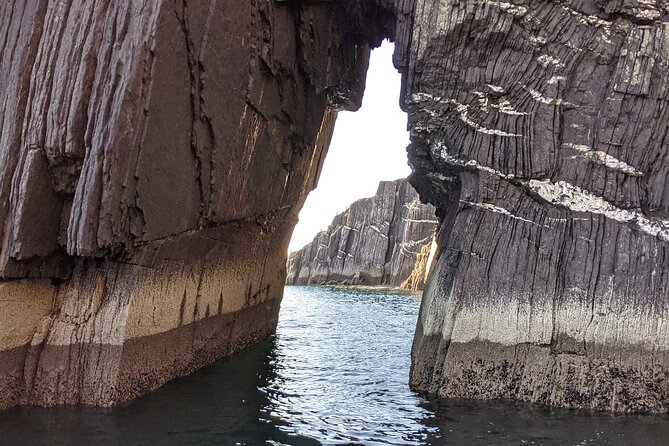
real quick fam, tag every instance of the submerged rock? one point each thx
(375, 241)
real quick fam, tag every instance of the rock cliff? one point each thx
(539, 131)
(376, 241)
(154, 155)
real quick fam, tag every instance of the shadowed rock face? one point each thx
(539, 131)
(374, 242)
(154, 154)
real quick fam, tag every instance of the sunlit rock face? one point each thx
(376, 241)
(154, 156)
(539, 131)
(421, 269)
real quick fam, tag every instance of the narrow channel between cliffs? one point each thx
(155, 155)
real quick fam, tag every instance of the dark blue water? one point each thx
(336, 373)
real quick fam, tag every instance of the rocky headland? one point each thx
(155, 154)
(377, 241)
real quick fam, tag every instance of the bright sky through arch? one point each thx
(368, 146)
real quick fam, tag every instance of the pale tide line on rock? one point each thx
(514, 320)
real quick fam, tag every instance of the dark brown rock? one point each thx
(539, 133)
(153, 158)
(373, 242)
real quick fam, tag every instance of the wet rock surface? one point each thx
(376, 241)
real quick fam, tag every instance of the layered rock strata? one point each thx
(375, 241)
(153, 157)
(539, 131)
(421, 269)
(153, 141)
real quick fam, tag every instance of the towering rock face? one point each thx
(376, 241)
(539, 131)
(154, 155)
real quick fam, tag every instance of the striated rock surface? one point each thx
(539, 131)
(374, 242)
(421, 270)
(153, 157)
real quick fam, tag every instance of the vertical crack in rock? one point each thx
(391, 239)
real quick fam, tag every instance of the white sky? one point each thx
(368, 146)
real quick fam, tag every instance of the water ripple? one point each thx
(342, 360)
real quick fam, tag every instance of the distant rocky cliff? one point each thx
(376, 241)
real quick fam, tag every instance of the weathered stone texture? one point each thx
(539, 131)
(174, 141)
(154, 155)
(374, 242)
(421, 269)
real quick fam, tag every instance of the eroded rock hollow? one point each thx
(155, 155)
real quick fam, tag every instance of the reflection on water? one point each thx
(220, 404)
(336, 373)
(502, 423)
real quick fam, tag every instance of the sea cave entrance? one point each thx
(364, 224)
(358, 258)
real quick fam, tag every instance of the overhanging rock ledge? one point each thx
(154, 156)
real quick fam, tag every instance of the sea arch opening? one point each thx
(364, 224)
(359, 256)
